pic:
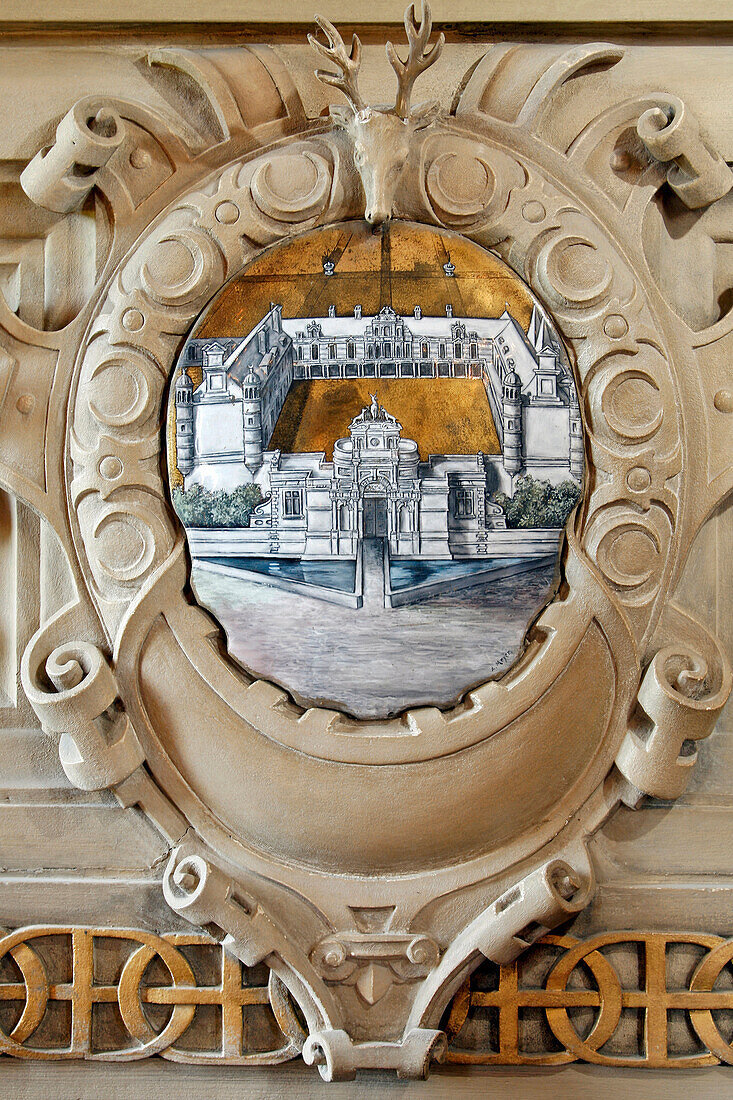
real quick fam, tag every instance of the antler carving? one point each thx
(418, 58)
(347, 63)
(381, 135)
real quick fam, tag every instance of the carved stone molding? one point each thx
(302, 838)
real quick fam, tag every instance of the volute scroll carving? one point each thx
(373, 864)
(696, 172)
(61, 177)
(98, 747)
(681, 699)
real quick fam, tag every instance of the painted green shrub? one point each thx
(198, 507)
(539, 504)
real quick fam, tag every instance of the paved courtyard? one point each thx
(375, 661)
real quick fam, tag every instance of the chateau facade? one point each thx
(376, 485)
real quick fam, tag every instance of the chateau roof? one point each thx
(505, 330)
(444, 415)
(439, 327)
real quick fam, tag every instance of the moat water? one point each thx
(373, 661)
(339, 575)
(405, 573)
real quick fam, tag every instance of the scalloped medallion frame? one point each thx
(373, 864)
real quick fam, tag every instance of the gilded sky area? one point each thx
(401, 266)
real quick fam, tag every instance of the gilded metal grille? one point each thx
(663, 1000)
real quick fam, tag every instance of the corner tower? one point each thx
(512, 422)
(252, 412)
(184, 423)
(577, 454)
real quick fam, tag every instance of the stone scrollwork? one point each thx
(60, 178)
(696, 172)
(203, 895)
(374, 961)
(199, 891)
(98, 747)
(338, 1057)
(519, 917)
(680, 698)
(304, 839)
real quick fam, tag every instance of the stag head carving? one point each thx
(381, 135)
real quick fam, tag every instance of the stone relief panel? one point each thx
(371, 932)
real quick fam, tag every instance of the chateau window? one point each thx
(300, 353)
(292, 503)
(425, 351)
(387, 349)
(457, 351)
(331, 351)
(464, 503)
(442, 351)
(351, 350)
(474, 351)
(314, 351)
(398, 350)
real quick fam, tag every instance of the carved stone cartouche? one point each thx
(359, 859)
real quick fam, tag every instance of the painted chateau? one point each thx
(376, 486)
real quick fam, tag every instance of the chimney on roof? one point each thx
(357, 312)
(449, 311)
(332, 311)
(418, 313)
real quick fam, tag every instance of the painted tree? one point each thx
(539, 504)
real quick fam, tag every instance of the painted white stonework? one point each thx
(376, 485)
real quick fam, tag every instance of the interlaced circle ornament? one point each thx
(257, 1024)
